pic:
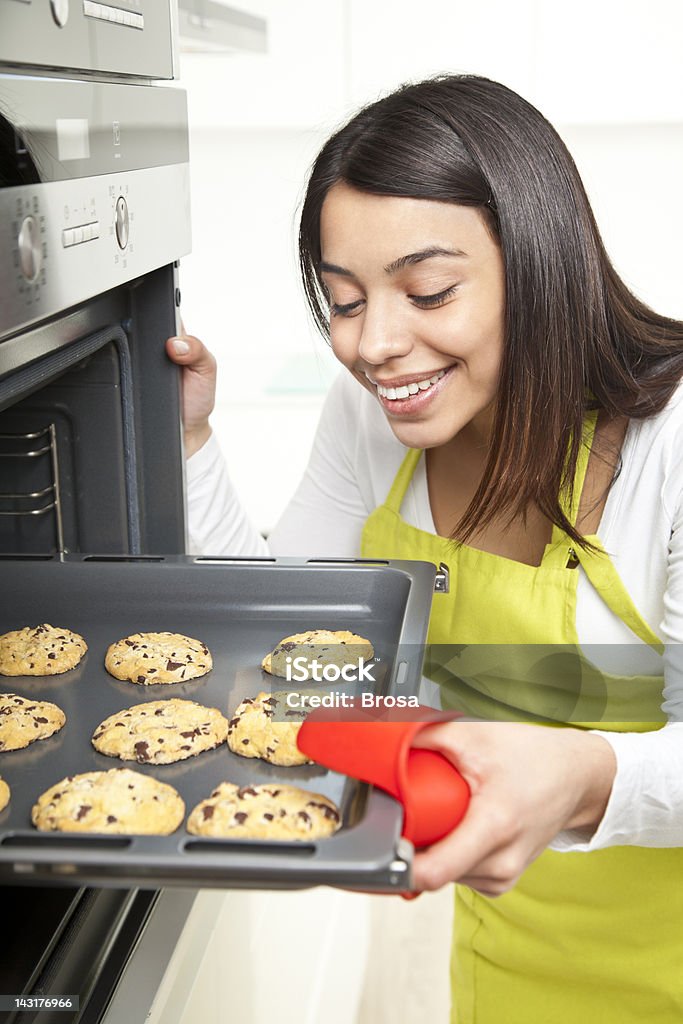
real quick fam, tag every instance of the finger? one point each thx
(459, 854)
(186, 350)
(444, 736)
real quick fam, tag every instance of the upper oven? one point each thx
(99, 37)
(94, 216)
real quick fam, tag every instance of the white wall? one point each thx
(609, 75)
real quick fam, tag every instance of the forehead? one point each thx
(356, 225)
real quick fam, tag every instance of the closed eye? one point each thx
(430, 301)
(347, 309)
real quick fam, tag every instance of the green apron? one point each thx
(588, 937)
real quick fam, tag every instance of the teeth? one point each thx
(406, 390)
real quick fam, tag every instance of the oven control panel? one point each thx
(124, 37)
(94, 190)
(67, 241)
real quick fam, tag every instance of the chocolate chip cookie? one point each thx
(119, 800)
(327, 647)
(149, 658)
(43, 650)
(264, 812)
(264, 726)
(161, 731)
(22, 720)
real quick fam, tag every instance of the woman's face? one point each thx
(416, 290)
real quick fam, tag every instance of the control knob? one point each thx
(30, 249)
(60, 11)
(122, 222)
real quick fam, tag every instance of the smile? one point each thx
(412, 388)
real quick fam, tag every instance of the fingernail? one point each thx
(181, 347)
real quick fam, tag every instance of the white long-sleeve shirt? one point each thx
(353, 463)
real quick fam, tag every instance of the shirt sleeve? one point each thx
(645, 807)
(216, 521)
(326, 515)
(324, 518)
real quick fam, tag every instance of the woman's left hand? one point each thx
(527, 783)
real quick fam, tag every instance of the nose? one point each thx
(383, 335)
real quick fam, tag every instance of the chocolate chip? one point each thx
(172, 665)
(141, 679)
(289, 646)
(245, 742)
(38, 718)
(246, 791)
(328, 812)
(52, 656)
(208, 812)
(241, 817)
(111, 819)
(268, 817)
(142, 750)
(303, 816)
(83, 810)
(159, 711)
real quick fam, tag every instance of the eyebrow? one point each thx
(403, 261)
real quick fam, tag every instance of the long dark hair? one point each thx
(575, 336)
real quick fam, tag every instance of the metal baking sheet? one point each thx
(240, 609)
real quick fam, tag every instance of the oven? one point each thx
(94, 216)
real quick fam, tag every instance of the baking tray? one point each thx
(240, 609)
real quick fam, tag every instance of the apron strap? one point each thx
(402, 479)
(604, 577)
(571, 508)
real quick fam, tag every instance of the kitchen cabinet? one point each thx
(256, 957)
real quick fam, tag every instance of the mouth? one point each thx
(410, 396)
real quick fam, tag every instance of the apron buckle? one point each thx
(442, 579)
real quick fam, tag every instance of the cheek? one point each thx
(344, 340)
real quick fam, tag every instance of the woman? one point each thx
(448, 248)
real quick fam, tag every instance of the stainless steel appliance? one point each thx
(101, 37)
(94, 215)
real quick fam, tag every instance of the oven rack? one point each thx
(40, 444)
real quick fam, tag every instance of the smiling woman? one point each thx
(449, 254)
(431, 316)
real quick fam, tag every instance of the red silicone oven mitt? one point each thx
(378, 749)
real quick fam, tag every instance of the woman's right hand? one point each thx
(198, 387)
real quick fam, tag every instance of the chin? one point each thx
(421, 435)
